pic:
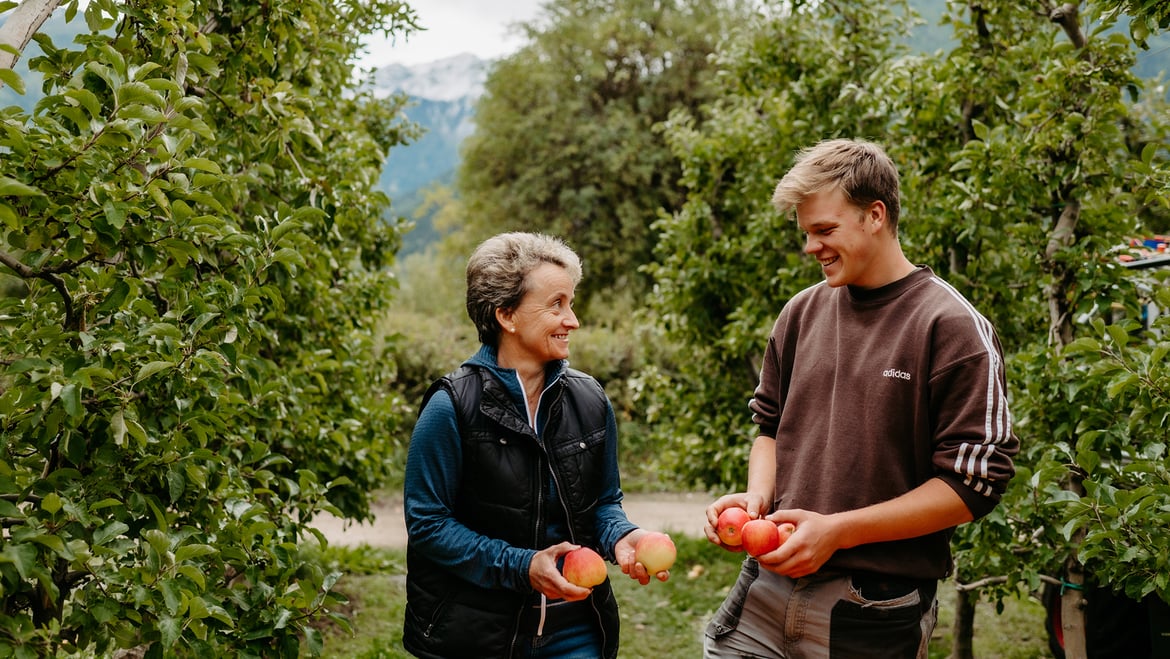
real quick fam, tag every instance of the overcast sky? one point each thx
(452, 27)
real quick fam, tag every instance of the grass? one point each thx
(661, 620)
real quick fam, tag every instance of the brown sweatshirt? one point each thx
(870, 393)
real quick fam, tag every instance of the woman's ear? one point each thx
(504, 318)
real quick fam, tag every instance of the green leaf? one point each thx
(13, 80)
(193, 573)
(157, 540)
(27, 364)
(50, 541)
(71, 399)
(981, 130)
(202, 164)
(176, 484)
(9, 509)
(172, 595)
(51, 503)
(21, 556)
(134, 93)
(118, 427)
(109, 531)
(152, 368)
(10, 187)
(169, 628)
(188, 552)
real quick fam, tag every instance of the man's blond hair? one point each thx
(860, 169)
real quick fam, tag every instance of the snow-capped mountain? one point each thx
(449, 79)
(443, 95)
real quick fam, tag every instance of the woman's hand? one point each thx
(627, 560)
(545, 577)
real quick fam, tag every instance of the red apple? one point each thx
(730, 524)
(655, 551)
(785, 530)
(584, 567)
(760, 536)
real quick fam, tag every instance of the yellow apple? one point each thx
(655, 551)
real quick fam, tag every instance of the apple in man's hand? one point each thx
(729, 526)
(655, 551)
(584, 567)
(760, 536)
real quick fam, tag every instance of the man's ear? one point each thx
(876, 215)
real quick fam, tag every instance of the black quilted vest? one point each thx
(503, 495)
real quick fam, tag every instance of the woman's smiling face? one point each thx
(543, 319)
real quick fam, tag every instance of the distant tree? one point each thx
(566, 137)
(189, 371)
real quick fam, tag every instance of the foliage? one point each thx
(565, 140)
(1049, 169)
(190, 371)
(1117, 377)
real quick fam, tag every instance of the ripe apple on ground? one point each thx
(730, 525)
(760, 536)
(655, 551)
(584, 567)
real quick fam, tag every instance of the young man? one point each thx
(883, 424)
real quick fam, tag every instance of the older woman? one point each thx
(512, 464)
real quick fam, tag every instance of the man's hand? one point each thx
(754, 504)
(813, 542)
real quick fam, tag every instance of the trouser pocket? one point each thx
(882, 617)
(726, 619)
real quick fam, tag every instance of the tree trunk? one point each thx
(22, 23)
(963, 645)
(1072, 596)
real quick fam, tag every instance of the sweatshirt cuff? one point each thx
(979, 505)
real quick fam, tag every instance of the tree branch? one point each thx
(21, 25)
(1067, 17)
(25, 272)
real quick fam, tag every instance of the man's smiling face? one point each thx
(843, 238)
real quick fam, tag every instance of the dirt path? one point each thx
(670, 512)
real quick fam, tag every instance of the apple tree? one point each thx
(194, 249)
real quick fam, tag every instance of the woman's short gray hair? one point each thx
(497, 275)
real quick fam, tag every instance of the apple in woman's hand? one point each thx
(655, 551)
(584, 567)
